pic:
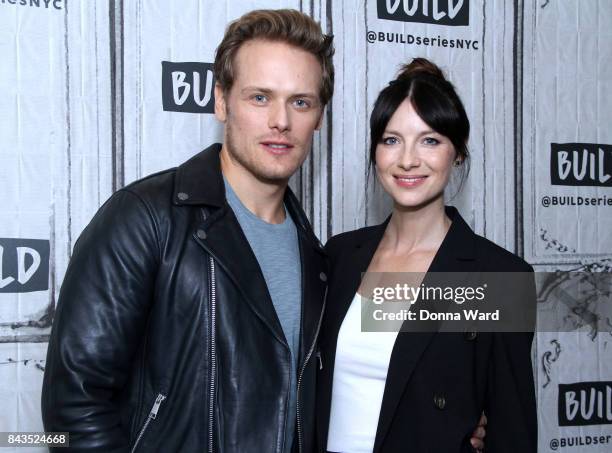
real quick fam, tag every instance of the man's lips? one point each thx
(409, 180)
(277, 147)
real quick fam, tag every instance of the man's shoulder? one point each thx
(154, 189)
(197, 180)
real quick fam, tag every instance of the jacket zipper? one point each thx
(301, 375)
(152, 416)
(213, 353)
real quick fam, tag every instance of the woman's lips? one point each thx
(409, 181)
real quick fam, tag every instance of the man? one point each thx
(189, 313)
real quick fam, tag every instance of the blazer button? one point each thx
(183, 196)
(470, 336)
(323, 276)
(439, 401)
(201, 234)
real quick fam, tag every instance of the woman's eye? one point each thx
(390, 140)
(431, 141)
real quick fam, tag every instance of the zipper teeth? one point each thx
(299, 383)
(213, 367)
(152, 414)
(141, 433)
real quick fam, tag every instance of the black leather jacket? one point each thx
(165, 337)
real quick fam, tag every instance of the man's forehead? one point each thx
(266, 64)
(268, 46)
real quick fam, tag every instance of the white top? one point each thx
(360, 372)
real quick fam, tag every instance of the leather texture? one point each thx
(131, 358)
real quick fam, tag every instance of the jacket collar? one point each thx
(456, 253)
(199, 181)
(458, 244)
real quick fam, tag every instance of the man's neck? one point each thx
(264, 199)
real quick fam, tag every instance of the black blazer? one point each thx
(438, 383)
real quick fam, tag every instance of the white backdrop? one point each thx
(83, 112)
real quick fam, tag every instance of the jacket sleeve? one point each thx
(99, 324)
(511, 403)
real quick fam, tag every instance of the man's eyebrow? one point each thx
(255, 88)
(305, 95)
(250, 89)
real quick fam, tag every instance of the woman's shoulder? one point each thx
(497, 258)
(348, 240)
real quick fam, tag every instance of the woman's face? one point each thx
(413, 162)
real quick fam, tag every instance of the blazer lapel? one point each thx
(454, 255)
(345, 280)
(351, 277)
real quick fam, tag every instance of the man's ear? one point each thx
(220, 103)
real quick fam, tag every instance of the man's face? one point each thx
(272, 109)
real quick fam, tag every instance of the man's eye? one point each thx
(302, 103)
(260, 98)
(390, 140)
(431, 141)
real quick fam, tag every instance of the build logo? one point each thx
(585, 403)
(24, 265)
(441, 12)
(188, 87)
(580, 164)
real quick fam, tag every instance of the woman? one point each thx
(419, 392)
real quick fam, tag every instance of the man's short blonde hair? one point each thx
(283, 25)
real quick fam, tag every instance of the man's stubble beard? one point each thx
(251, 165)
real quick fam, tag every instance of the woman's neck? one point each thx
(417, 229)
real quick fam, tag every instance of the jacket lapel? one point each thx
(341, 293)
(226, 242)
(314, 273)
(358, 263)
(199, 183)
(454, 255)
(314, 282)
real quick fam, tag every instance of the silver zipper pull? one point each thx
(320, 360)
(155, 408)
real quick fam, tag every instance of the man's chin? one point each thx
(276, 178)
(276, 175)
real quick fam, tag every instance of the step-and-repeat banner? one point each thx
(96, 94)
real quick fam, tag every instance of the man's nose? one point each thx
(278, 117)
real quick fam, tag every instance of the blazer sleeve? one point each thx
(510, 404)
(99, 324)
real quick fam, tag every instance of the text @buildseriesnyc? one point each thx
(485, 301)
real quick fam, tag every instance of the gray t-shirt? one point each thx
(277, 251)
